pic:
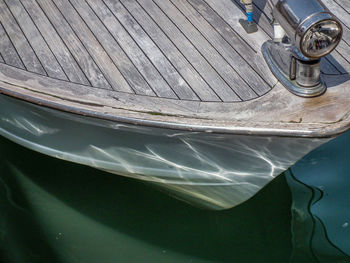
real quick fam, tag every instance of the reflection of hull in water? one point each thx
(310, 235)
(213, 170)
(320, 192)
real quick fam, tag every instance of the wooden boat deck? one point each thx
(183, 64)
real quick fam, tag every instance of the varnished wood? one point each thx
(179, 64)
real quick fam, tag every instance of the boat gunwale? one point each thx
(277, 113)
(233, 129)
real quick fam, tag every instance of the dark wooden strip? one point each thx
(338, 61)
(346, 33)
(328, 68)
(235, 40)
(59, 49)
(8, 51)
(345, 4)
(221, 65)
(131, 49)
(189, 51)
(187, 71)
(144, 42)
(229, 11)
(169, 50)
(343, 50)
(19, 41)
(93, 46)
(43, 52)
(76, 48)
(125, 66)
(233, 58)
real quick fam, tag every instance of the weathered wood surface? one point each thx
(174, 63)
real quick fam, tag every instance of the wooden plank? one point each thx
(279, 112)
(339, 62)
(53, 40)
(188, 72)
(221, 65)
(345, 4)
(43, 52)
(235, 40)
(19, 41)
(76, 48)
(233, 58)
(133, 50)
(8, 51)
(189, 51)
(232, 13)
(343, 15)
(96, 51)
(145, 84)
(343, 51)
(139, 46)
(327, 67)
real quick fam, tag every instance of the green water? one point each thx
(54, 211)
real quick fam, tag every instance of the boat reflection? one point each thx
(72, 213)
(320, 186)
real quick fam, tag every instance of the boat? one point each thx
(188, 95)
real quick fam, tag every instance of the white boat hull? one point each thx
(217, 171)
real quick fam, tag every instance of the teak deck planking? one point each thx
(177, 63)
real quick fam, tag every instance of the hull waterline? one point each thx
(216, 171)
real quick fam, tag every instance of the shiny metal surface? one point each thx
(300, 18)
(319, 35)
(308, 73)
(300, 77)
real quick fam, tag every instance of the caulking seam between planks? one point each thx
(65, 44)
(43, 38)
(204, 57)
(34, 64)
(140, 48)
(21, 64)
(84, 45)
(217, 76)
(99, 42)
(232, 28)
(140, 81)
(231, 45)
(73, 70)
(36, 41)
(125, 53)
(222, 57)
(159, 49)
(80, 45)
(176, 48)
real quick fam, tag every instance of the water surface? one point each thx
(62, 212)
